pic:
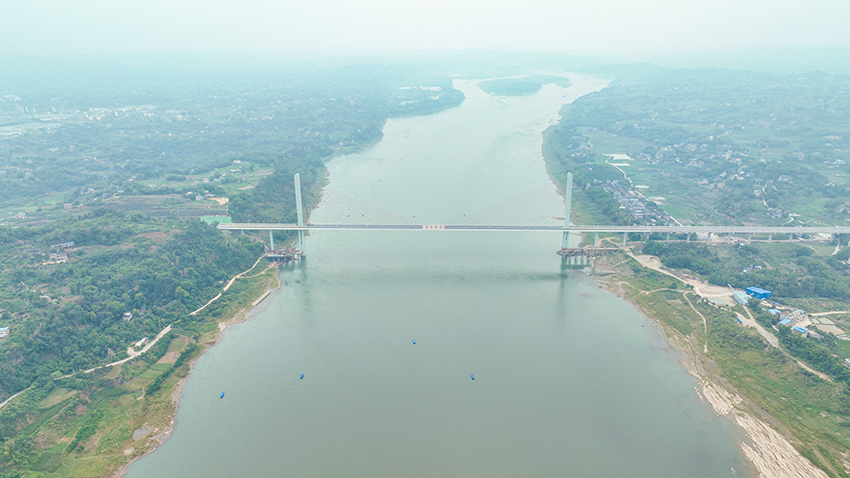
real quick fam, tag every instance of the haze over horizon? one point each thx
(52, 27)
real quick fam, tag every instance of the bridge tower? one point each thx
(299, 208)
(568, 200)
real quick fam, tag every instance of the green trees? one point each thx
(801, 275)
(695, 257)
(273, 200)
(168, 276)
(815, 353)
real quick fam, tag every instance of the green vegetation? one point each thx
(123, 165)
(523, 85)
(589, 172)
(789, 270)
(721, 147)
(731, 147)
(157, 382)
(123, 160)
(814, 410)
(87, 420)
(88, 429)
(74, 313)
(163, 132)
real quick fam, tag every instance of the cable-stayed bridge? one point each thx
(539, 210)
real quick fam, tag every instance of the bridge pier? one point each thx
(769, 237)
(625, 238)
(271, 240)
(595, 239)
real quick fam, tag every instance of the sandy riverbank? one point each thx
(703, 289)
(770, 453)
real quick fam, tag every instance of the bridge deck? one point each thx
(609, 229)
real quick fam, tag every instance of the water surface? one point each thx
(569, 380)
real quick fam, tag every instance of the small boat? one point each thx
(473, 376)
(222, 395)
(414, 341)
(302, 376)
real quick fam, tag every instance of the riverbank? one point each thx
(156, 436)
(770, 451)
(717, 349)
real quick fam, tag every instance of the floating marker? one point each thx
(302, 376)
(414, 341)
(222, 395)
(473, 376)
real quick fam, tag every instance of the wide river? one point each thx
(570, 381)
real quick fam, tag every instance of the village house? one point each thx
(57, 258)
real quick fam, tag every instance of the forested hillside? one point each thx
(67, 317)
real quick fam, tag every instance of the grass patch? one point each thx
(678, 211)
(43, 417)
(114, 372)
(137, 383)
(177, 344)
(160, 367)
(149, 375)
(88, 467)
(56, 396)
(49, 461)
(671, 313)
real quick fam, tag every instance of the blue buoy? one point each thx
(222, 395)
(414, 341)
(302, 376)
(473, 376)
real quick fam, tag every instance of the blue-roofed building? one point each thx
(758, 292)
(740, 297)
(774, 311)
(785, 322)
(800, 329)
(4, 332)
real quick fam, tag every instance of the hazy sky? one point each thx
(123, 26)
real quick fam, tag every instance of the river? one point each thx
(569, 380)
